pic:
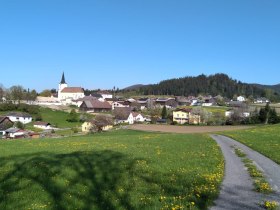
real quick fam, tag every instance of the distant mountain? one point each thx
(134, 87)
(217, 84)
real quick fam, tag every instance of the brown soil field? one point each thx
(185, 129)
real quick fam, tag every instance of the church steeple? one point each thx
(63, 79)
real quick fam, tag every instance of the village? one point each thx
(105, 110)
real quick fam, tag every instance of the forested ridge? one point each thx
(218, 84)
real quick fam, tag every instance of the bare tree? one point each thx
(17, 93)
(101, 121)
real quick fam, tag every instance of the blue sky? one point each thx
(106, 43)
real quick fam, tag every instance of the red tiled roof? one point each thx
(73, 90)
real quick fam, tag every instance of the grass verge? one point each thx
(264, 139)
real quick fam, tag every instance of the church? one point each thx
(67, 94)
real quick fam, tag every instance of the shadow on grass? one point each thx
(77, 180)
(83, 180)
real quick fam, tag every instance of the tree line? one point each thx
(218, 84)
(17, 93)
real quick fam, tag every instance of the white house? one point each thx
(15, 133)
(123, 115)
(137, 117)
(127, 119)
(19, 117)
(42, 125)
(119, 104)
(105, 94)
(241, 98)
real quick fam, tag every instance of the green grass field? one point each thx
(114, 170)
(264, 139)
(57, 118)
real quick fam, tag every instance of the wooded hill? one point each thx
(218, 84)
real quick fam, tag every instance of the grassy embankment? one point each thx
(114, 170)
(264, 139)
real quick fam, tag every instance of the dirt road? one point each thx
(185, 129)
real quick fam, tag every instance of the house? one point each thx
(168, 102)
(261, 100)
(183, 101)
(19, 117)
(5, 123)
(137, 117)
(70, 93)
(79, 101)
(15, 133)
(123, 115)
(146, 103)
(239, 111)
(209, 102)
(95, 106)
(241, 98)
(42, 125)
(105, 94)
(87, 126)
(182, 116)
(119, 104)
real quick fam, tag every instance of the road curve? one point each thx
(237, 190)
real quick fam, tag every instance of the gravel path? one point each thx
(237, 190)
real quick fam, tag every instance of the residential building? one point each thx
(105, 94)
(123, 115)
(95, 106)
(241, 98)
(42, 125)
(15, 133)
(137, 117)
(87, 126)
(182, 116)
(5, 123)
(19, 117)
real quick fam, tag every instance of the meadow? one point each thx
(114, 170)
(264, 139)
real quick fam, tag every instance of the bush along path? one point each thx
(252, 181)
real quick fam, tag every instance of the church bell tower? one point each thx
(61, 86)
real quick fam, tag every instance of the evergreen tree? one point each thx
(164, 113)
(273, 118)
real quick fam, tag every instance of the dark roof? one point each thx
(13, 130)
(18, 114)
(3, 122)
(96, 95)
(184, 110)
(63, 79)
(72, 90)
(122, 113)
(96, 104)
(2, 118)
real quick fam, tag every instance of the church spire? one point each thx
(63, 79)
